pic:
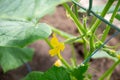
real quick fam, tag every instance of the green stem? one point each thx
(48, 42)
(85, 23)
(73, 59)
(92, 45)
(85, 49)
(75, 10)
(97, 23)
(64, 61)
(61, 33)
(109, 71)
(74, 39)
(106, 31)
(75, 19)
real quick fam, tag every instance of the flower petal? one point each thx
(53, 52)
(58, 63)
(54, 41)
(57, 46)
(61, 46)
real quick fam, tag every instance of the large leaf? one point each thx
(11, 57)
(27, 9)
(45, 6)
(18, 33)
(117, 17)
(35, 75)
(54, 73)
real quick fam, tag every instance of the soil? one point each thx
(42, 61)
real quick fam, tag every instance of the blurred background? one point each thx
(42, 60)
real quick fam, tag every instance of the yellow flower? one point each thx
(58, 63)
(57, 46)
(118, 56)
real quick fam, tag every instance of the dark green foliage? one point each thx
(79, 72)
(117, 17)
(54, 73)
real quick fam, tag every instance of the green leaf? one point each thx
(45, 6)
(117, 16)
(27, 9)
(54, 73)
(79, 72)
(20, 34)
(11, 57)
